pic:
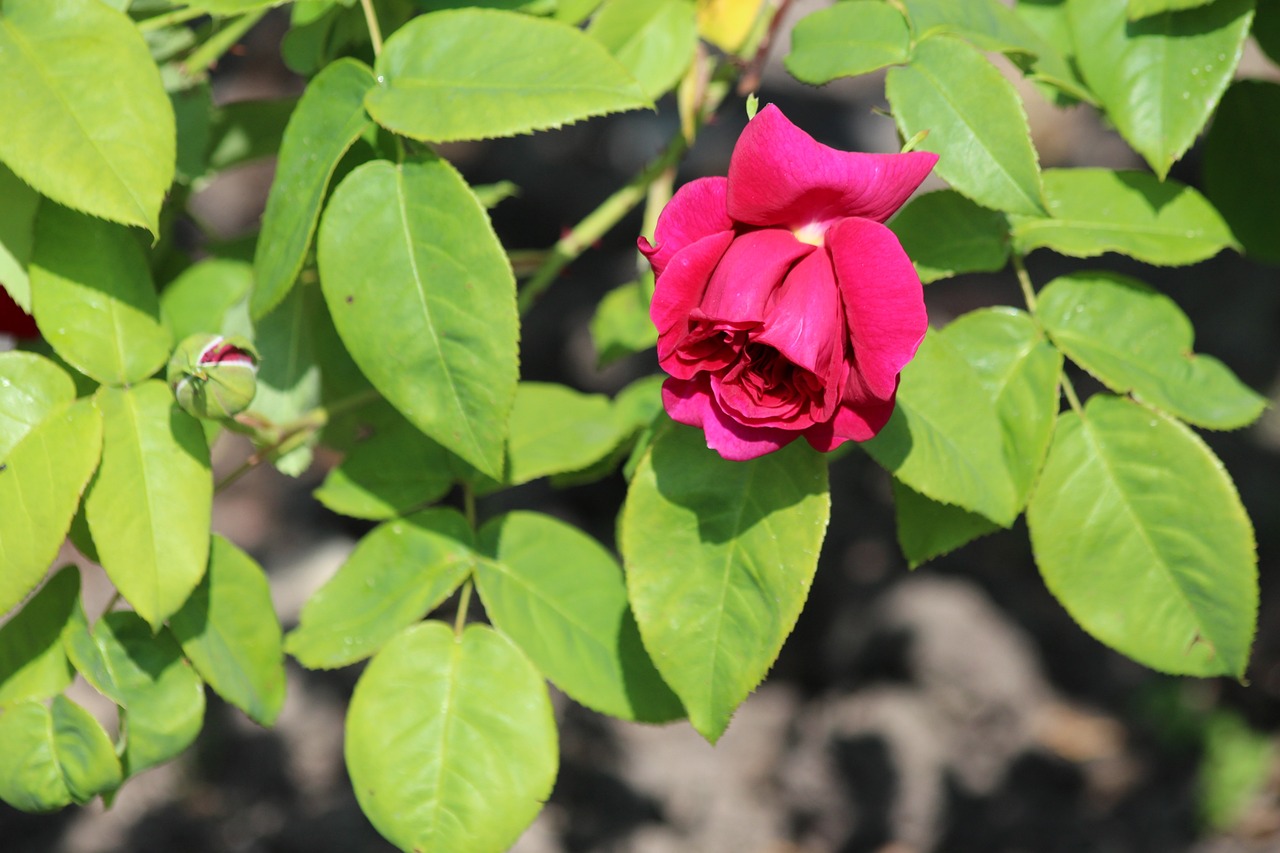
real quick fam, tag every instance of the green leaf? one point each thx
(413, 243)
(555, 429)
(1136, 340)
(1134, 515)
(1143, 8)
(975, 122)
(115, 135)
(621, 325)
(560, 595)
(247, 130)
(396, 575)
(17, 231)
(150, 504)
(94, 299)
(200, 300)
(1235, 769)
(992, 26)
(846, 40)
(31, 388)
(329, 118)
(388, 472)
(719, 558)
(945, 234)
(229, 631)
(944, 439)
(653, 39)
(1159, 78)
(1092, 211)
(1240, 171)
(231, 7)
(52, 757)
(144, 672)
(288, 376)
(451, 743)
(929, 529)
(1266, 29)
(33, 664)
(1020, 372)
(481, 73)
(41, 481)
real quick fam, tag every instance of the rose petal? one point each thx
(690, 402)
(697, 210)
(750, 272)
(780, 175)
(805, 323)
(883, 300)
(680, 287)
(853, 422)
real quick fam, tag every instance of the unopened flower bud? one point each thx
(214, 376)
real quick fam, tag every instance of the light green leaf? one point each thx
(451, 743)
(1266, 30)
(944, 439)
(232, 7)
(33, 664)
(150, 504)
(945, 234)
(575, 11)
(412, 242)
(1143, 8)
(288, 376)
(1241, 172)
(199, 300)
(329, 118)
(846, 40)
(229, 632)
(975, 122)
(1139, 533)
(555, 429)
(388, 472)
(621, 325)
(161, 697)
(41, 481)
(1235, 768)
(17, 231)
(1020, 372)
(653, 39)
(31, 387)
(1159, 78)
(395, 576)
(929, 529)
(719, 558)
(1134, 339)
(1092, 211)
(52, 757)
(115, 135)
(481, 73)
(560, 595)
(94, 299)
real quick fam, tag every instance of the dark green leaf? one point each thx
(247, 130)
(17, 231)
(719, 558)
(621, 325)
(1142, 8)
(328, 119)
(1241, 172)
(481, 73)
(1134, 339)
(945, 234)
(451, 743)
(395, 576)
(560, 595)
(33, 664)
(1139, 532)
(929, 529)
(201, 299)
(229, 631)
(411, 242)
(51, 757)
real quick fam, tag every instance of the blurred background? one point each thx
(955, 707)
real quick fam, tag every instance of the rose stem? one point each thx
(196, 66)
(1029, 296)
(375, 32)
(177, 16)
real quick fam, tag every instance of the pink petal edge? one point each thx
(698, 209)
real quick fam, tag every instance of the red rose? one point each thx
(13, 320)
(784, 306)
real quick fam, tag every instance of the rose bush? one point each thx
(784, 306)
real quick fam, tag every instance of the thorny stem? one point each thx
(750, 80)
(168, 19)
(196, 66)
(1029, 296)
(375, 32)
(598, 222)
(286, 438)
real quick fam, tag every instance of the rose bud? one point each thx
(212, 376)
(784, 306)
